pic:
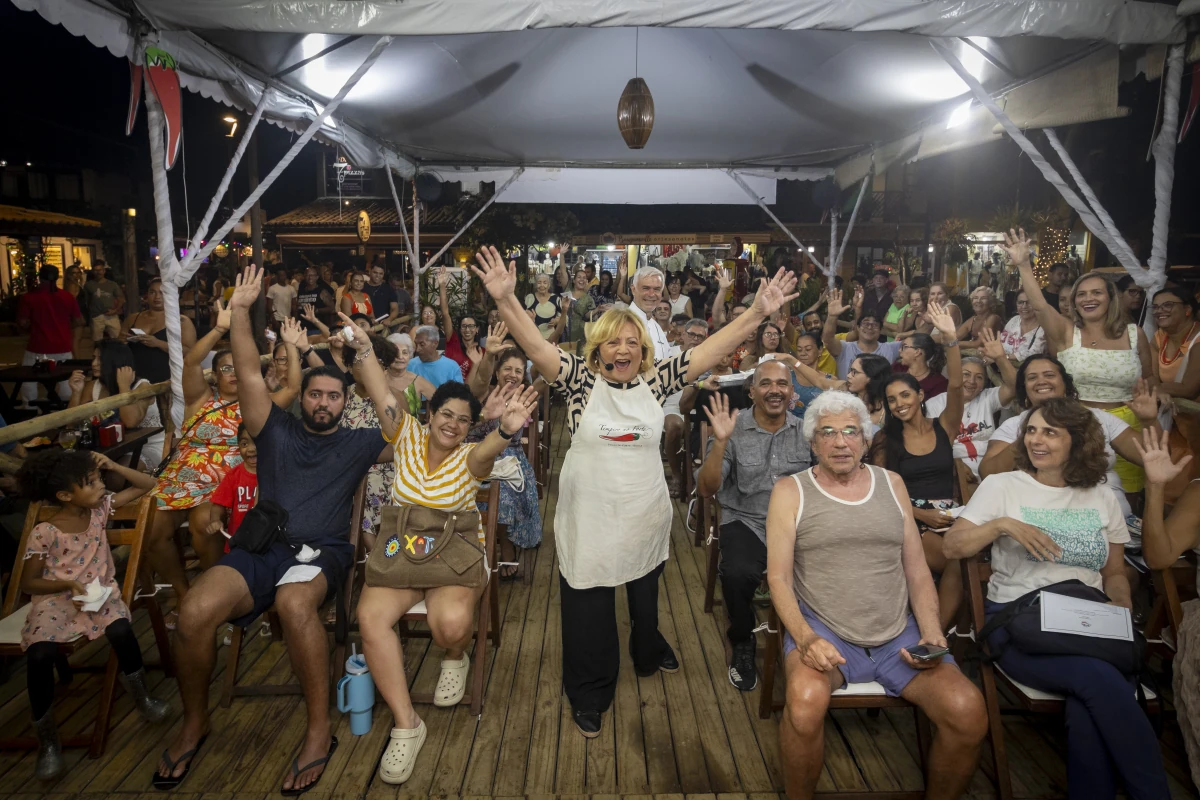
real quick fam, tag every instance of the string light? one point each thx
(1053, 246)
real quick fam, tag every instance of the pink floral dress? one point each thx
(82, 557)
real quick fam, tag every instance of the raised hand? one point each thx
(992, 347)
(1156, 457)
(775, 293)
(859, 295)
(76, 382)
(836, 306)
(443, 278)
(496, 334)
(102, 461)
(1144, 403)
(519, 410)
(292, 333)
(246, 288)
(308, 313)
(125, 376)
(724, 279)
(719, 417)
(941, 319)
(497, 400)
(224, 315)
(361, 340)
(497, 279)
(1016, 246)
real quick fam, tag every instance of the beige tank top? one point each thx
(848, 570)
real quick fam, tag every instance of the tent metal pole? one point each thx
(833, 240)
(1164, 160)
(853, 216)
(318, 118)
(1141, 276)
(206, 220)
(495, 196)
(751, 193)
(417, 247)
(412, 259)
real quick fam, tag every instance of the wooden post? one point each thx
(133, 295)
(259, 313)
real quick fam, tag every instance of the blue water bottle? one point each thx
(356, 693)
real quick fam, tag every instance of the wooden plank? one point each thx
(541, 771)
(626, 722)
(905, 769)
(868, 757)
(656, 729)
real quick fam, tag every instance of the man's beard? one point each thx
(319, 427)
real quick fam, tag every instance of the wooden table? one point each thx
(132, 443)
(46, 377)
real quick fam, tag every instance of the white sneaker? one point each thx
(404, 745)
(265, 630)
(227, 636)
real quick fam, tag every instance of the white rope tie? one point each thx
(1164, 162)
(709, 540)
(139, 594)
(766, 626)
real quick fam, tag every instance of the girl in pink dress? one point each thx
(62, 558)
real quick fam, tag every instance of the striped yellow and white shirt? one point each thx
(451, 487)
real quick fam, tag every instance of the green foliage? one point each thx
(518, 225)
(464, 296)
(952, 237)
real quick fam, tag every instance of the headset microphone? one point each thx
(609, 367)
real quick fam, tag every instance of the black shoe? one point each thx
(743, 672)
(668, 663)
(588, 722)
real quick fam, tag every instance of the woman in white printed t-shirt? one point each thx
(1051, 520)
(1041, 378)
(980, 404)
(1023, 335)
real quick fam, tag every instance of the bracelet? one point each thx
(510, 436)
(307, 352)
(951, 343)
(361, 355)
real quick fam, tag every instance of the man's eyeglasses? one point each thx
(1166, 307)
(695, 334)
(869, 325)
(1023, 303)
(829, 434)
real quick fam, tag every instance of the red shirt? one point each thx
(50, 312)
(454, 352)
(238, 492)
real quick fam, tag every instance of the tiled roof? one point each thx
(328, 213)
(29, 216)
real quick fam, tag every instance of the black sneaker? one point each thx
(588, 722)
(669, 662)
(743, 673)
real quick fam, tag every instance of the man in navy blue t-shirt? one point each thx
(311, 467)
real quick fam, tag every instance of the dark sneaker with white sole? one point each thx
(743, 672)
(588, 722)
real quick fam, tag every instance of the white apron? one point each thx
(613, 519)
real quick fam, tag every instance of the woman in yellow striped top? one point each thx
(434, 469)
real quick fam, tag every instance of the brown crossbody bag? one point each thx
(424, 548)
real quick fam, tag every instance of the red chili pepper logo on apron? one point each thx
(625, 437)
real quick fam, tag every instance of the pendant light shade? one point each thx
(635, 114)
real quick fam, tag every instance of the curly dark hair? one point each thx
(1068, 383)
(46, 473)
(1087, 461)
(455, 390)
(385, 352)
(879, 373)
(507, 354)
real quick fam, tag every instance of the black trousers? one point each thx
(591, 650)
(42, 657)
(743, 562)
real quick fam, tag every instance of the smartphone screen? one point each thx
(137, 331)
(924, 653)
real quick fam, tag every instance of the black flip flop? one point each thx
(170, 781)
(297, 770)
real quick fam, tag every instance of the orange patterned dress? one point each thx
(207, 451)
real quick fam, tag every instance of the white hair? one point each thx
(401, 340)
(647, 272)
(834, 401)
(429, 331)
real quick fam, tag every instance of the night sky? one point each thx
(68, 107)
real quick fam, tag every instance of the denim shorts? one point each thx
(882, 664)
(262, 571)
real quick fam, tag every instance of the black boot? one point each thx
(151, 709)
(49, 758)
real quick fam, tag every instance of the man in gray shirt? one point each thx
(750, 450)
(105, 300)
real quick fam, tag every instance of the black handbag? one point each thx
(263, 526)
(1022, 618)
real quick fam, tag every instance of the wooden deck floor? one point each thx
(690, 733)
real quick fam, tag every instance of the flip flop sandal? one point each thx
(297, 770)
(452, 682)
(170, 781)
(400, 757)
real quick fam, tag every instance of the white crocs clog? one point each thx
(452, 682)
(400, 757)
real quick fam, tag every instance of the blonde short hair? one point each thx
(609, 325)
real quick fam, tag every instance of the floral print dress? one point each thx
(82, 557)
(207, 450)
(360, 413)
(519, 511)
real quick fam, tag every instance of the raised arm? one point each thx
(517, 411)
(131, 414)
(772, 295)
(139, 482)
(997, 459)
(1164, 540)
(1057, 327)
(724, 281)
(951, 418)
(623, 281)
(810, 377)
(993, 348)
(500, 283)
(444, 302)
(195, 387)
(253, 398)
(367, 372)
(722, 421)
(829, 329)
(292, 335)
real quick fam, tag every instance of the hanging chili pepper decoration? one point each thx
(164, 83)
(135, 96)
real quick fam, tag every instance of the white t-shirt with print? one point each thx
(1083, 522)
(281, 300)
(978, 425)
(1020, 346)
(1112, 426)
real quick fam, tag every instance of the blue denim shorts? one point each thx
(882, 664)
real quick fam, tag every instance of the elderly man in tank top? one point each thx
(849, 581)
(748, 453)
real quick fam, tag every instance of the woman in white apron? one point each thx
(612, 525)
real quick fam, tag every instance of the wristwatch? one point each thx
(307, 352)
(512, 437)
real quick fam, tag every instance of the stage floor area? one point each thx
(689, 734)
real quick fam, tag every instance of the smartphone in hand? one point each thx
(924, 652)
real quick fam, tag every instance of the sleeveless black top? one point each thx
(151, 363)
(931, 476)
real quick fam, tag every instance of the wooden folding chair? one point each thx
(132, 522)
(701, 502)
(542, 465)
(343, 602)
(487, 620)
(533, 443)
(1166, 613)
(852, 695)
(1028, 699)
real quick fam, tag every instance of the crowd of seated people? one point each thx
(883, 453)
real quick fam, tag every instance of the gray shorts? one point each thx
(882, 664)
